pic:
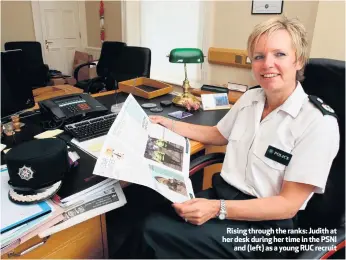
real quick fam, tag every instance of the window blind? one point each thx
(165, 25)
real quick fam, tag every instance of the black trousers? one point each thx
(166, 235)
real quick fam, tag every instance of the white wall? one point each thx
(329, 33)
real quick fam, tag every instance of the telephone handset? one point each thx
(71, 107)
(49, 108)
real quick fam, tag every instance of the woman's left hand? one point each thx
(197, 211)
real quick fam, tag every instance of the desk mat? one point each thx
(208, 118)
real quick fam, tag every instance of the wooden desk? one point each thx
(54, 91)
(87, 240)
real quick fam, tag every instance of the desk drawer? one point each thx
(83, 241)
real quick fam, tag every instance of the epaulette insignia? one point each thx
(323, 107)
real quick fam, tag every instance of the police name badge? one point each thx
(278, 155)
(26, 173)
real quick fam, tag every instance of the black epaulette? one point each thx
(323, 107)
(258, 86)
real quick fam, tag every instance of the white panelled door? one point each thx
(61, 33)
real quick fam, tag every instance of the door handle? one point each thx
(47, 44)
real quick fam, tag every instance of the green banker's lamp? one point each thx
(186, 55)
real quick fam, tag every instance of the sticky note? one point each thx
(95, 147)
(48, 134)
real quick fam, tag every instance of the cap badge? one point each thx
(26, 173)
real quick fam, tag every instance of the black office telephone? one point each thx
(71, 108)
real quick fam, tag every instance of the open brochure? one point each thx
(138, 151)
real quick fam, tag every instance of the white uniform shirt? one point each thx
(296, 127)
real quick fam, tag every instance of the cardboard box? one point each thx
(145, 87)
(62, 81)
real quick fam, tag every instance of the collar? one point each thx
(257, 95)
(260, 96)
(295, 101)
(292, 105)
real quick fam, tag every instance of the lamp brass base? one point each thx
(182, 99)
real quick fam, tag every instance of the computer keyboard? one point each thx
(88, 129)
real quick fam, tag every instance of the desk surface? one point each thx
(200, 117)
(33, 127)
(209, 118)
(54, 91)
(87, 163)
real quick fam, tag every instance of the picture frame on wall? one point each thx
(267, 6)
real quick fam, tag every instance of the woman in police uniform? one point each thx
(280, 148)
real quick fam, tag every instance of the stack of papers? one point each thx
(19, 223)
(81, 199)
(88, 205)
(21, 234)
(14, 215)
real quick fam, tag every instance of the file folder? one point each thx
(14, 215)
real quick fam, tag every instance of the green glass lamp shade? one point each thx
(186, 55)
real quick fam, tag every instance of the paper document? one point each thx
(108, 199)
(30, 229)
(49, 134)
(88, 196)
(92, 147)
(138, 151)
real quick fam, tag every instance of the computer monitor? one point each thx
(16, 95)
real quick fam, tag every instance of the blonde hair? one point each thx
(295, 29)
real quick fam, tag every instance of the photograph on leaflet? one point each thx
(164, 152)
(168, 181)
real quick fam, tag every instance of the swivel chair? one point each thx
(324, 78)
(134, 62)
(109, 60)
(117, 63)
(36, 72)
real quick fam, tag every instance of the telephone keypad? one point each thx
(83, 106)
